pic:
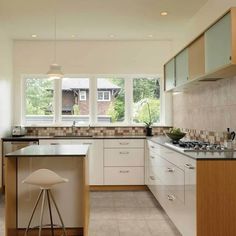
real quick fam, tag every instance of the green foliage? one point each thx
(117, 107)
(141, 114)
(145, 88)
(39, 97)
(75, 109)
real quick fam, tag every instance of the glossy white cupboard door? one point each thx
(218, 44)
(170, 74)
(182, 68)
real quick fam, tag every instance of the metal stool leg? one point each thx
(63, 226)
(42, 211)
(36, 204)
(50, 212)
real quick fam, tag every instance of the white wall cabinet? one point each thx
(218, 44)
(170, 74)
(171, 177)
(95, 156)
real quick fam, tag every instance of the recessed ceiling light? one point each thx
(150, 35)
(34, 36)
(112, 36)
(164, 13)
(72, 36)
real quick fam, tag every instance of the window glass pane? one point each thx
(75, 100)
(111, 100)
(146, 100)
(39, 101)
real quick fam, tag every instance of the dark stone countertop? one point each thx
(36, 138)
(51, 151)
(201, 155)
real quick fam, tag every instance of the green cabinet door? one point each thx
(218, 44)
(170, 74)
(182, 71)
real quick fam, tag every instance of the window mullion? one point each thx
(128, 100)
(57, 101)
(93, 100)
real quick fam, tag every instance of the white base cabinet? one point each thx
(124, 162)
(171, 177)
(95, 156)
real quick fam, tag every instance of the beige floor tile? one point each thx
(122, 194)
(104, 227)
(162, 228)
(133, 228)
(125, 202)
(154, 213)
(129, 213)
(100, 194)
(96, 202)
(102, 214)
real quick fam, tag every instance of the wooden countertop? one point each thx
(51, 151)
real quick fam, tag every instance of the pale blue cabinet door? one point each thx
(170, 74)
(182, 71)
(218, 44)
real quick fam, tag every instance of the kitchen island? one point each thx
(69, 161)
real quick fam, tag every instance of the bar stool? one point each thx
(45, 179)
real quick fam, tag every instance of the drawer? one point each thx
(124, 143)
(124, 157)
(124, 175)
(170, 177)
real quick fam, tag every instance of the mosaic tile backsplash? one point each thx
(201, 135)
(95, 131)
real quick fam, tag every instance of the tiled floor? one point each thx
(128, 214)
(123, 214)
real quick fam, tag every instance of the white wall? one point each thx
(5, 87)
(88, 57)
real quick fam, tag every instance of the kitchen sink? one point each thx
(72, 136)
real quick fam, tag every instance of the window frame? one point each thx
(83, 93)
(103, 96)
(128, 121)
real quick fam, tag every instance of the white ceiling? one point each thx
(97, 19)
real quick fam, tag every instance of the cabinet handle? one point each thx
(152, 157)
(171, 197)
(55, 143)
(124, 171)
(124, 143)
(230, 58)
(171, 170)
(152, 177)
(152, 146)
(124, 153)
(87, 143)
(189, 166)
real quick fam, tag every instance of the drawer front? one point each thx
(170, 177)
(124, 157)
(124, 175)
(123, 143)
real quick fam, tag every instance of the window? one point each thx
(107, 100)
(146, 100)
(39, 101)
(82, 95)
(111, 100)
(104, 95)
(75, 100)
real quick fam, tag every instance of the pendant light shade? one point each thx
(55, 71)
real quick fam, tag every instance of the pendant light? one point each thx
(55, 69)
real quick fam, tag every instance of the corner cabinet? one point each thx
(209, 57)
